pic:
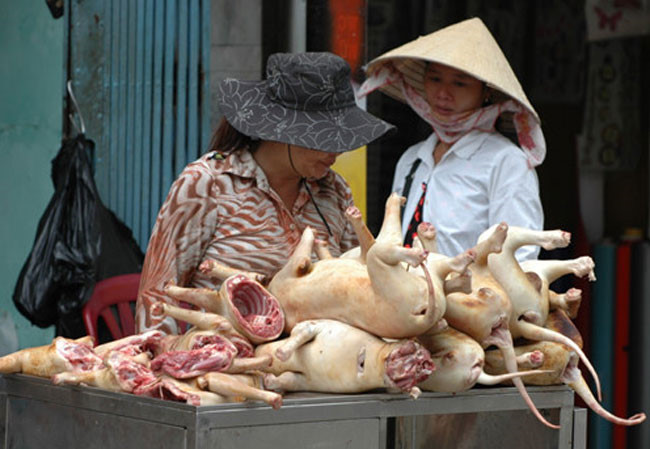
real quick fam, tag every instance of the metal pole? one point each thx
(298, 26)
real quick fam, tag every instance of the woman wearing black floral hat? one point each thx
(267, 177)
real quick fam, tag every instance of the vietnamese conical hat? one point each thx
(467, 46)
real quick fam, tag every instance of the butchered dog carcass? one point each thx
(217, 355)
(527, 284)
(459, 362)
(120, 372)
(150, 342)
(213, 389)
(240, 387)
(120, 365)
(188, 391)
(177, 362)
(61, 355)
(370, 288)
(210, 345)
(243, 301)
(333, 357)
(204, 324)
(560, 364)
(483, 310)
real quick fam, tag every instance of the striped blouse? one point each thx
(222, 207)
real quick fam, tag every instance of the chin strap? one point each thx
(322, 217)
(291, 162)
(303, 181)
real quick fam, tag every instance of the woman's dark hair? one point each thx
(227, 139)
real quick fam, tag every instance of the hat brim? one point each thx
(249, 109)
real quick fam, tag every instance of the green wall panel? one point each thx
(30, 132)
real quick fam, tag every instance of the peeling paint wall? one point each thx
(31, 44)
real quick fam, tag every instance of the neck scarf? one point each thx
(529, 133)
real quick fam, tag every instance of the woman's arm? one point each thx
(184, 227)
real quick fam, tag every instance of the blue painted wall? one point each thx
(31, 44)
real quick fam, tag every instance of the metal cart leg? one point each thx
(566, 427)
(579, 428)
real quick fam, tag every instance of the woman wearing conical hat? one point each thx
(465, 176)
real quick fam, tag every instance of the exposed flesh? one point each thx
(330, 356)
(61, 355)
(194, 362)
(245, 303)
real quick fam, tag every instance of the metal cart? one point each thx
(36, 414)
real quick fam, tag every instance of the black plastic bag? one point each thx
(78, 242)
(55, 7)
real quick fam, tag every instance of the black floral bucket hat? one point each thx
(306, 100)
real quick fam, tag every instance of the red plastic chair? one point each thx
(119, 291)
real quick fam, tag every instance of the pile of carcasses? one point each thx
(380, 316)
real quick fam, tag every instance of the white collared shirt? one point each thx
(483, 179)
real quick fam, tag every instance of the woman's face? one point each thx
(312, 164)
(450, 91)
